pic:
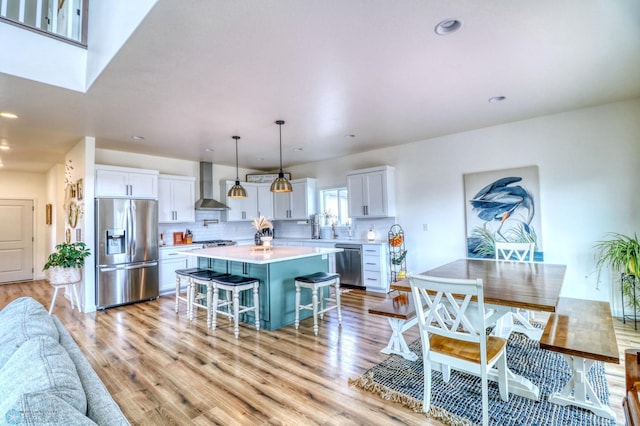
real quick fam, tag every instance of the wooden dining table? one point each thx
(507, 285)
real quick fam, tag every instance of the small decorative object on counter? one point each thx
(188, 237)
(371, 235)
(397, 253)
(161, 242)
(263, 227)
(178, 238)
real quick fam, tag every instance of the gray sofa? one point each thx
(44, 377)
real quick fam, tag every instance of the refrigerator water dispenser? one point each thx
(115, 241)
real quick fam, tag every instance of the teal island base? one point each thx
(277, 288)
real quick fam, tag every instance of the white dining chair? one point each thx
(519, 252)
(461, 344)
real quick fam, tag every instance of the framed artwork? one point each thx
(79, 189)
(502, 205)
(265, 178)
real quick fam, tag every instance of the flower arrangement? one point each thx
(261, 223)
(328, 216)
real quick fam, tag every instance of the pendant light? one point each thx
(281, 184)
(237, 191)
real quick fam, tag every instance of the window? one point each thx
(333, 206)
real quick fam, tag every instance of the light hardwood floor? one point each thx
(162, 369)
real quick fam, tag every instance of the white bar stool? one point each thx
(184, 274)
(198, 299)
(316, 282)
(234, 285)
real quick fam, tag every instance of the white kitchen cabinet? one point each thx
(265, 200)
(259, 202)
(125, 182)
(168, 262)
(371, 192)
(375, 275)
(298, 204)
(241, 209)
(176, 199)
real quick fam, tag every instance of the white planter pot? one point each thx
(60, 275)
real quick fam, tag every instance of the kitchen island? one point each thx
(276, 269)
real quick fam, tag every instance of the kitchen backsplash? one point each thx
(283, 229)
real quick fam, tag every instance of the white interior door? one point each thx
(16, 240)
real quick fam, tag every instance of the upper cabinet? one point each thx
(114, 181)
(265, 200)
(240, 208)
(176, 199)
(298, 204)
(259, 202)
(371, 192)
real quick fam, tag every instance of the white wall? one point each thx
(111, 23)
(589, 168)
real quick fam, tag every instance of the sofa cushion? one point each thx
(41, 365)
(42, 408)
(21, 320)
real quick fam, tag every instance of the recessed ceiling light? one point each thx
(137, 138)
(497, 99)
(260, 158)
(448, 26)
(209, 149)
(298, 149)
(350, 136)
(8, 115)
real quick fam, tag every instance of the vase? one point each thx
(266, 241)
(256, 239)
(60, 275)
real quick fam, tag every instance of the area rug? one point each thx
(459, 401)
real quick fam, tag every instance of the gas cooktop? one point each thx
(216, 243)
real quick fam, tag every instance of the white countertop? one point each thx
(336, 241)
(259, 256)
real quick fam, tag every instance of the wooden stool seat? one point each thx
(316, 281)
(233, 285)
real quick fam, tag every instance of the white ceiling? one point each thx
(197, 72)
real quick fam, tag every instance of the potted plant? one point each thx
(622, 253)
(64, 264)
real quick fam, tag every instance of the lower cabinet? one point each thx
(169, 261)
(375, 275)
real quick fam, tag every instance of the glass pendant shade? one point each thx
(281, 184)
(237, 191)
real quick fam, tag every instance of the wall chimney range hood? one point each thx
(206, 201)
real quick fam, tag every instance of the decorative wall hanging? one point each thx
(79, 190)
(49, 214)
(502, 205)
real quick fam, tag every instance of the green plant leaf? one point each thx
(68, 255)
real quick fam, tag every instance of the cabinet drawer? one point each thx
(371, 250)
(371, 263)
(371, 279)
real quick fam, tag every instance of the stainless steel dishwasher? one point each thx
(349, 265)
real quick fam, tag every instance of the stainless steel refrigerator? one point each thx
(126, 251)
